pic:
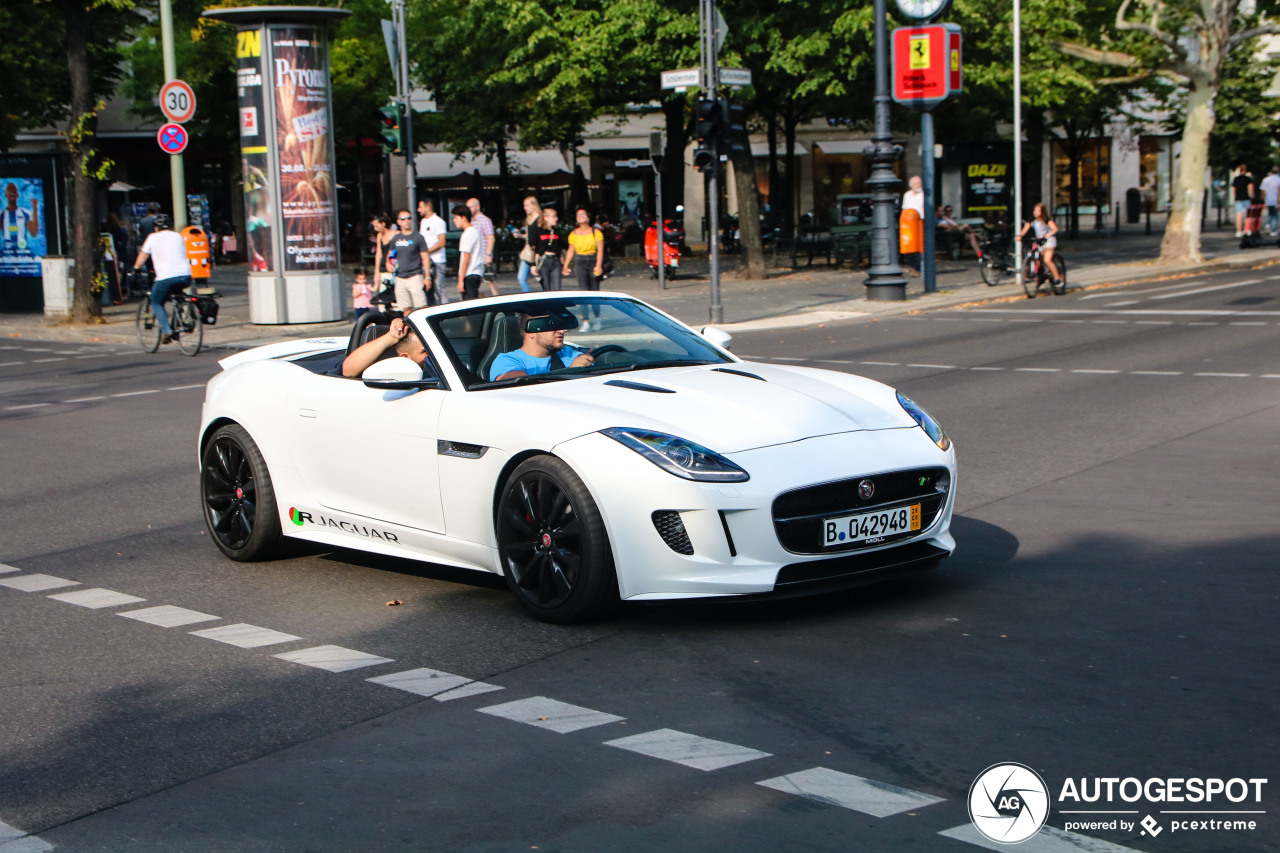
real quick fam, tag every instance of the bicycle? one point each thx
(185, 318)
(996, 261)
(1037, 272)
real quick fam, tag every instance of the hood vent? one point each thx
(738, 373)
(639, 386)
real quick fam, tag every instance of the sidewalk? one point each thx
(787, 299)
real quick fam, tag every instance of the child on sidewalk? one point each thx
(361, 291)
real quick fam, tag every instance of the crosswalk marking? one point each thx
(333, 658)
(851, 792)
(97, 598)
(245, 636)
(699, 753)
(550, 714)
(422, 681)
(36, 583)
(168, 616)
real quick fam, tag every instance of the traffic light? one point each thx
(733, 135)
(705, 155)
(389, 114)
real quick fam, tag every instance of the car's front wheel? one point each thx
(552, 542)
(239, 501)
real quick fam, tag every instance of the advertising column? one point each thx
(287, 149)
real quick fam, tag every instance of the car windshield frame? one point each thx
(699, 351)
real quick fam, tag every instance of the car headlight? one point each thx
(679, 456)
(928, 424)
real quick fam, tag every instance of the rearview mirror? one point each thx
(550, 323)
(719, 337)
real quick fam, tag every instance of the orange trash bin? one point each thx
(910, 233)
(197, 251)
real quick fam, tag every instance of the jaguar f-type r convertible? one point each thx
(586, 446)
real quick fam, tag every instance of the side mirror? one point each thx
(719, 337)
(396, 374)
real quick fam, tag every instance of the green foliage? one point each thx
(1248, 122)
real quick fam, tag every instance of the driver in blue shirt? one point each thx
(541, 352)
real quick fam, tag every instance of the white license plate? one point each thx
(870, 526)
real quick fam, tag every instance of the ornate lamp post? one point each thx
(885, 282)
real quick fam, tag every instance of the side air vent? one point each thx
(671, 528)
(460, 449)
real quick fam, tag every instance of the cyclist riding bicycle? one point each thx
(1045, 231)
(168, 252)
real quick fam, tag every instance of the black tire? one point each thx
(552, 543)
(991, 274)
(238, 499)
(148, 328)
(1031, 277)
(190, 327)
(1060, 286)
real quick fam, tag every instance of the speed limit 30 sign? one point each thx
(177, 101)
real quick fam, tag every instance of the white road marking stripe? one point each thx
(86, 399)
(1066, 321)
(550, 714)
(1225, 375)
(7, 832)
(1153, 322)
(138, 393)
(475, 688)
(1249, 323)
(1245, 283)
(1164, 312)
(27, 406)
(96, 355)
(1094, 371)
(1125, 302)
(786, 358)
(1038, 369)
(96, 598)
(1208, 323)
(699, 753)
(168, 616)
(831, 361)
(850, 792)
(245, 636)
(881, 363)
(25, 844)
(1270, 376)
(1156, 372)
(1049, 840)
(986, 368)
(12, 363)
(333, 658)
(421, 682)
(1112, 322)
(935, 366)
(4, 569)
(66, 352)
(36, 583)
(185, 387)
(1165, 289)
(47, 360)
(37, 350)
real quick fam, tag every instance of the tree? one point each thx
(1186, 42)
(1247, 124)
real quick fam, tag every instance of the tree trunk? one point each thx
(744, 177)
(1181, 243)
(85, 306)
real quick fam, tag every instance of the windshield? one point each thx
(490, 341)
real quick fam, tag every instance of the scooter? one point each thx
(670, 248)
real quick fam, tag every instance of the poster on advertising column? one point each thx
(255, 165)
(308, 208)
(22, 234)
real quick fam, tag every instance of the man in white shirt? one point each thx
(471, 252)
(1270, 196)
(432, 229)
(168, 252)
(913, 199)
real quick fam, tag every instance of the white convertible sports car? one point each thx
(666, 468)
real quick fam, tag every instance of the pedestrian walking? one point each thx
(484, 227)
(433, 230)
(412, 262)
(528, 254)
(470, 254)
(1242, 189)
(548, 244)
(1271, 197)
(383, 234)
(585, 257)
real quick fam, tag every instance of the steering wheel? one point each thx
(607, 348)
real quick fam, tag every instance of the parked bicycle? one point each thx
(1036, 274)
(189, 313)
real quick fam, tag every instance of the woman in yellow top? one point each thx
(585, 257)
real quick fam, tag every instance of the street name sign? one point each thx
(682, 78)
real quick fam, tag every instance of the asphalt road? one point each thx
(1110, 612)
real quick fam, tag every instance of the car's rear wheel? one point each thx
(239, 501)
(552, 543)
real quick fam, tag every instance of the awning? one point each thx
(442, 164)
(761, 149)
(841, 146)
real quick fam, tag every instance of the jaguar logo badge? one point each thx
(866, 489)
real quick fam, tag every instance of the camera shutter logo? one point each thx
(1008, 803)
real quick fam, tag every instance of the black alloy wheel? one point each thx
(552, 542)
(239, 501)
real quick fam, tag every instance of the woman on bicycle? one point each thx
(1045, 229)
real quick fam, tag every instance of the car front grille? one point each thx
(672, 530)
(798, 514)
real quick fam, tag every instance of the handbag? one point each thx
(527, 254)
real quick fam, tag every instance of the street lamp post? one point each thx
(885, 282)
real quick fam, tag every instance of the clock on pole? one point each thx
(922, 10)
